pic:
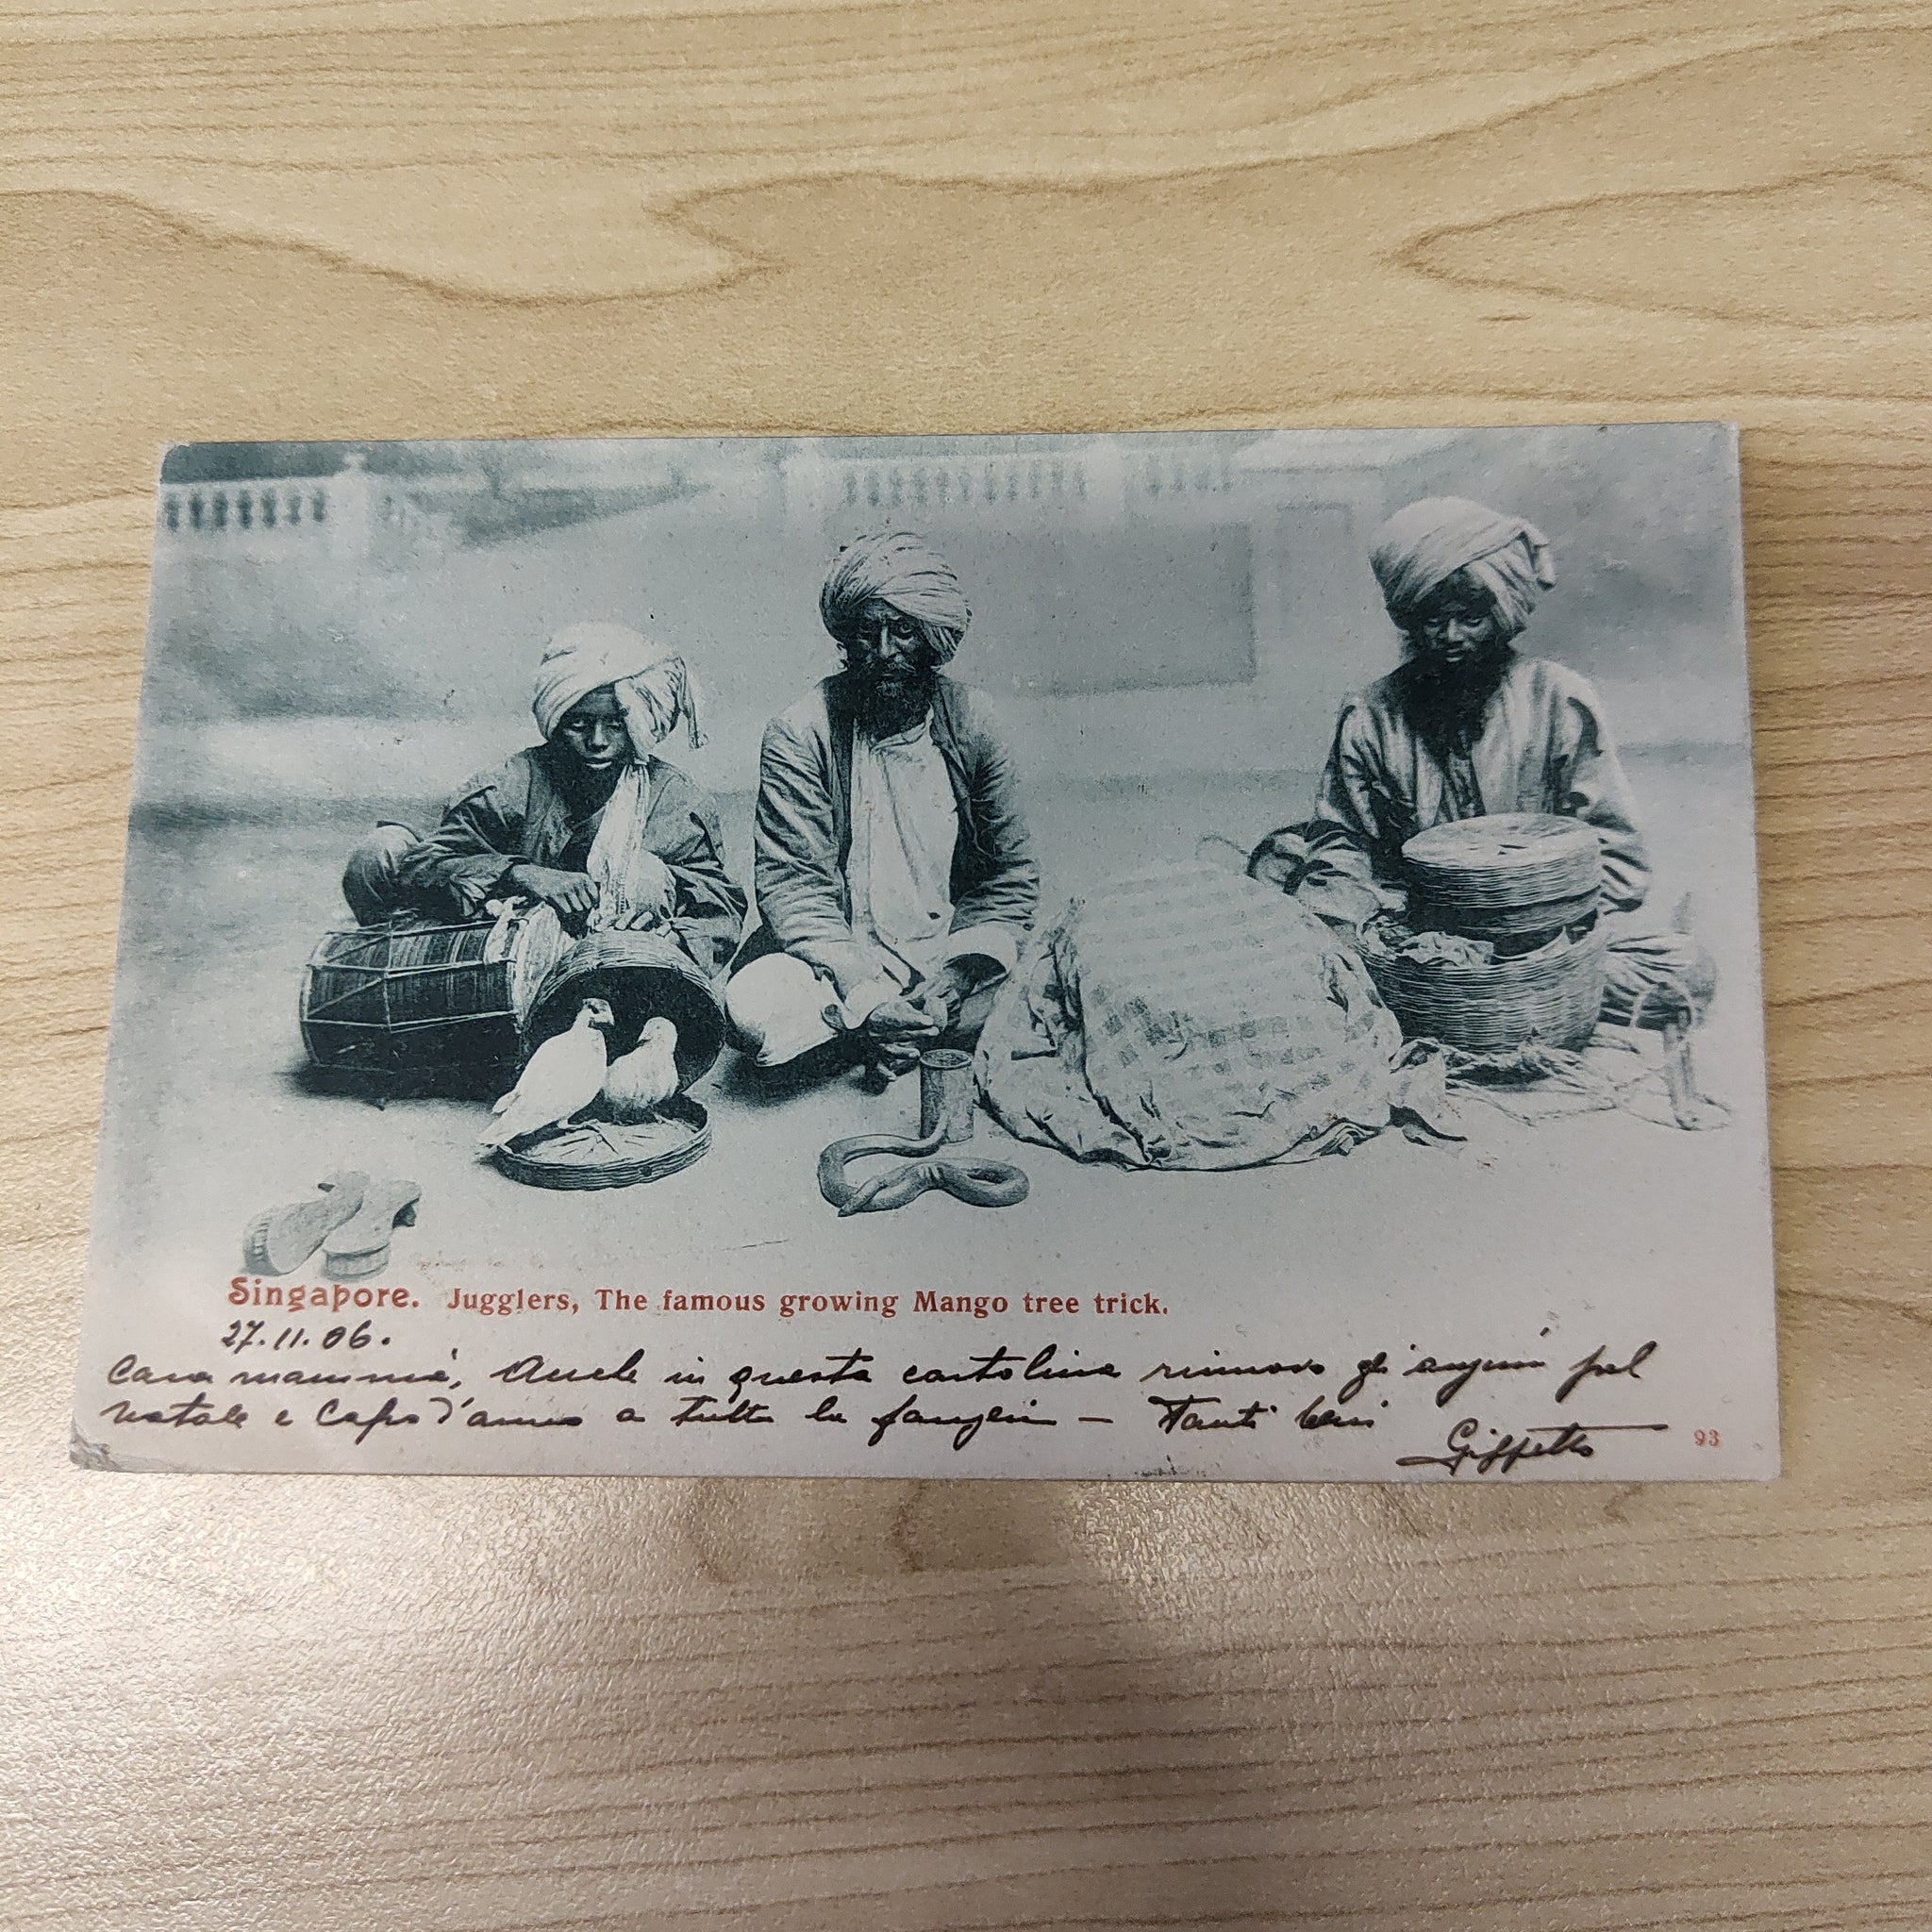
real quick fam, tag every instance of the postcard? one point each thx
(1192, 956)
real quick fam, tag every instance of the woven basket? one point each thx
(642, 975)
(1494, 1008)
(602, 1154)
(1504, 876)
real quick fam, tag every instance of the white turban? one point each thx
(1427, 542)
(654, 685)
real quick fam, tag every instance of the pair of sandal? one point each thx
(352, 1220)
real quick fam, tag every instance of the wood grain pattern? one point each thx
(496, 1704)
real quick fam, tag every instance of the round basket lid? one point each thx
(643, 975)
(605, 1154)
(1510, 858)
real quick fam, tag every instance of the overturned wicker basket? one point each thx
(640, 974)
(1552, 997)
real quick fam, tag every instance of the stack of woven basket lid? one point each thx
(1520, 880)
(1515, 876)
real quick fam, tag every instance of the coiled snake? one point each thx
(978, 1182)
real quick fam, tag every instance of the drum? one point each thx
(447, 1002)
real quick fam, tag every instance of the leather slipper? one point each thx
(284, 1237)
(360, 1249)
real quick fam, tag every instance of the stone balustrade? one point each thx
(291, 503)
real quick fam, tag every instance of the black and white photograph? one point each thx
(1202, 954)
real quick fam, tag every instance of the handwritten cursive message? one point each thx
(388, 1376)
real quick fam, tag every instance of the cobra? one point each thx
(978, 1182)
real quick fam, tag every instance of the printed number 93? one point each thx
(1704, 1439)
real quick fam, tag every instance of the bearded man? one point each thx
(894, 871)
(1466, 726)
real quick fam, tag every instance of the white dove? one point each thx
(640, 1083)
(562, 1078)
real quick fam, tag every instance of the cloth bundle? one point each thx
(1182, 1017)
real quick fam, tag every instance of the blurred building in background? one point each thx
(364, 618)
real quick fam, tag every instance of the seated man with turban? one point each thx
(895, 877)
(1465, 725)
(589, 821)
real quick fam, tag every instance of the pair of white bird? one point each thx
(572, 1071)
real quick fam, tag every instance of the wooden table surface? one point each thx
(305, 1704)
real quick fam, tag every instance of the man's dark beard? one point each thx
(1443, 704)
(889, 704)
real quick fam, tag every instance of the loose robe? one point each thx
(1543, 747)
(520, 813)
(804, 836)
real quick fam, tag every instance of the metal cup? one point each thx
(946, 1094)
